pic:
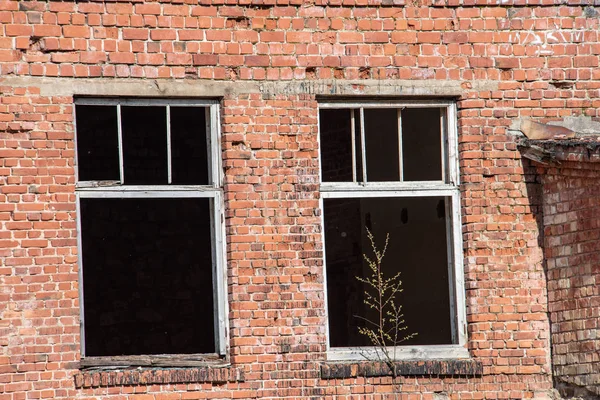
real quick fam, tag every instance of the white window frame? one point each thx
(448, 188)
(214, 191)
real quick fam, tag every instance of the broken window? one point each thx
(150, 230)
(390, 168)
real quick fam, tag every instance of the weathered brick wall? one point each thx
(502, 62)
(572, 248)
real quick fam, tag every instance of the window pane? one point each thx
(144, 145)
(381, 134)
(148, 284)
(97, 143)
(336, 145)
(417, 248)
(189, 157)
(422, 144)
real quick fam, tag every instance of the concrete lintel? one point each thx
(374, 87)
(581, 125)
(206, 88)
(130, 87)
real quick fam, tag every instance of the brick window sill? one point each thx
(137, 376)
(353, 369)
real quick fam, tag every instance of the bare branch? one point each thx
(380, 295)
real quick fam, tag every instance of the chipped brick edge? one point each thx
(341, 370)
(156, 376)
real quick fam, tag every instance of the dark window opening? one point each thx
(97, 143)
(336, 145)
(422, 144)
(415, 154)
(383, 155)
(189, 157)
(147, 271)
(144, 131)
(418, 249)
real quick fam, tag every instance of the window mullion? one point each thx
(363, 146)
(213, 141)
(220, 310)
(449, 209)
(459, 278)
(353, 133)
(452, 145)
(169, 156)
(80, 272)
(444, 139)
(120, 142)
(400, 155)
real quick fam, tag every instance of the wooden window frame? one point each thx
(213, 191)
(448, 188)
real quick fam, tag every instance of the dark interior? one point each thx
(336, 145)
(189, 156)
(97, 143)
(383, 154)
(147, 273)
(422, 144)
(144, 130)
(417, 249)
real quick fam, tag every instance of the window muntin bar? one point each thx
(353, 134)
(169, 150)
(121, 157)
(400, 155)
(363, 150)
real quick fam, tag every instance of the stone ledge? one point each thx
(341, 370)
(157, 376)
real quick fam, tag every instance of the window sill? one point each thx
(131, 376)
(157, 360)
(401, 353)
(367, 369)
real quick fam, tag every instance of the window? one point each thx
(392, 168)
(150, 231)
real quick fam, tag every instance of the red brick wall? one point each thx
(572, 248)
(536, 61)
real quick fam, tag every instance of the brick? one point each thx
(429, 37)
(152, 9)
(272, 37)
(455, 37)
(585, 61)
(163, 34)
(506, 62)
(205, 59)
(257, 61)
(18, 30)
(76, 31)
(135, 34)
